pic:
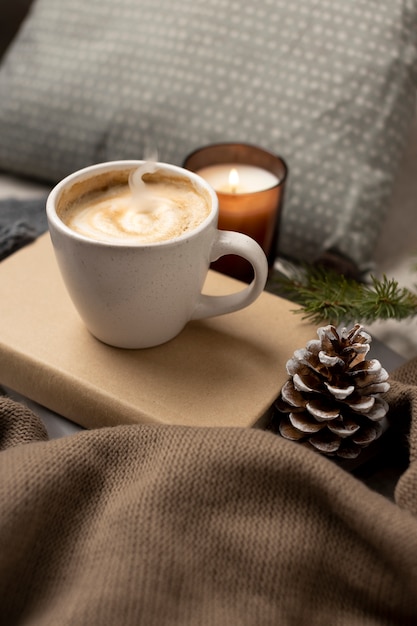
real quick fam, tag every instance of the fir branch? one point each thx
(386, 299)
(327, 296)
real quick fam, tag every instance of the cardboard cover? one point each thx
(225, 371)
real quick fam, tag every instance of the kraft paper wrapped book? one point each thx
(225, 371)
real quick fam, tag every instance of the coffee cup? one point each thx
(134, 242)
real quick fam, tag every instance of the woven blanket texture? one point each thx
(21, 222)
(173, 525)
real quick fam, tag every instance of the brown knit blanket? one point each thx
(161, 525)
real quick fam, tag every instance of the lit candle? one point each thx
(237, 178)
(249, 182)
(247, 198)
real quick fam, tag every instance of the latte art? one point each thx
(164, 212)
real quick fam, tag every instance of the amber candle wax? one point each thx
(248, 199)
(249, 183)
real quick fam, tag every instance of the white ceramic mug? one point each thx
(142, 295)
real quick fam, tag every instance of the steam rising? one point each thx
(143, 194)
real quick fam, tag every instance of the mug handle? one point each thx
(231, 242)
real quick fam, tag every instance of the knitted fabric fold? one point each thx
(21, 222)
(174, 525)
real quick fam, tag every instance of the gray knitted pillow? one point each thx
(327, 84)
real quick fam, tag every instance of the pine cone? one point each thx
(331, 400)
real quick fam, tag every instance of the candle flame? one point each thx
(233, 180)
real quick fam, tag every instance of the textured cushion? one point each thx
(327, 84)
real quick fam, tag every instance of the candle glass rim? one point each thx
(247, 148)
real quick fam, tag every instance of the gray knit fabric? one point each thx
(329, 85)
(21, 221)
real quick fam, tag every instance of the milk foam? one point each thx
(165, 211)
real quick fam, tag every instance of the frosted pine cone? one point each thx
(332, 399)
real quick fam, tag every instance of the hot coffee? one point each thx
(154, 207)
(142, 295)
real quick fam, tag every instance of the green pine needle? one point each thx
(326, 296)
(385, 299)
